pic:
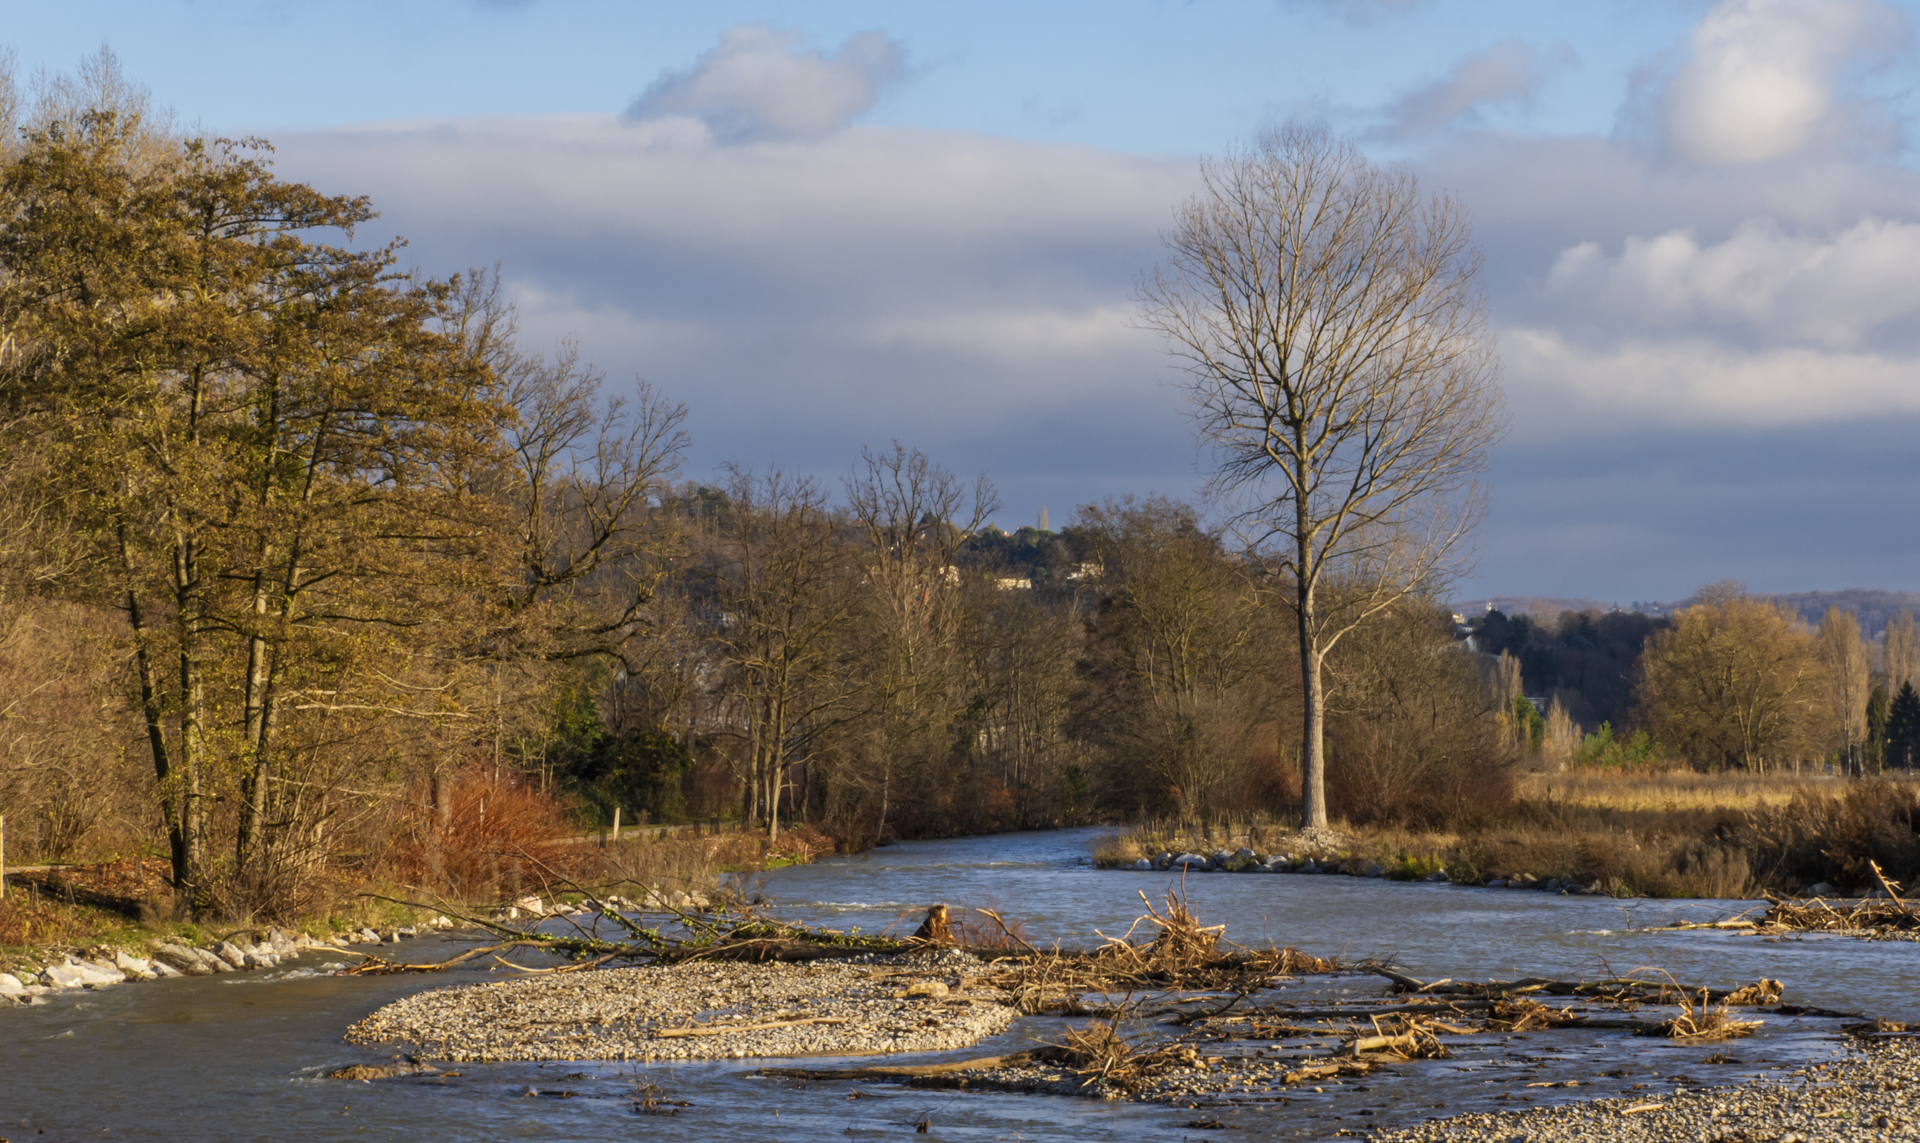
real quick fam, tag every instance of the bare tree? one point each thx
(1844, 655)
(1330, 317)
(1901, 649)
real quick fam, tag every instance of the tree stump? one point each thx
(934, 929)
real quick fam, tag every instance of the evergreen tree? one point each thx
(1903, 728)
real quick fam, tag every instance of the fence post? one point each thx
(3, 857)
(616, 825)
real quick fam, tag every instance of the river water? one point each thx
(239, 1057)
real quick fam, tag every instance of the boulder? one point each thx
(1497, 883)
(1163, 860)
(78, 976)
(930, 989)
(184, 960)
(132, 966)
(1144, 865)
(163, 970)
(11, 988)
(1437, 875)
(369, 936)
(531, 905)
(1188, 861)
(1376, 870)
(234, 955)
(1239, 862)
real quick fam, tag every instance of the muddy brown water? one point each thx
(239, 1057)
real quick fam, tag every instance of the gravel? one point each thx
(1868, 1096)
(621, 1013)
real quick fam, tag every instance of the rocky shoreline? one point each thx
(1868, 1096)
(241, 952)
(923, 1002)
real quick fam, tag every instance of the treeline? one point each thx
(1729, 681)
(306, 568)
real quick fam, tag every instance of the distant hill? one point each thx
(1526, 604)
(1873, 608)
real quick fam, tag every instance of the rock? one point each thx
(164, 971)
(1239, 862)
(183, 960)
(1189, 861)
(1164, 860)
(443, 922)
(369, 936)
(1219, 859)
(233, 954)
(1437, 875)
(79, 976)
(531, 905)
(280, 943)
(11, 987)
(132, 966)
(1375, 870)
(1819, 889)
(1144, 865)
(251, 959)
(930, 989)
(1497, 883)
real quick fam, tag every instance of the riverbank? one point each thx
(1720, 836)
(84, 921)
(1869, 1095)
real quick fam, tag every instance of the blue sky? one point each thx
(827, 225)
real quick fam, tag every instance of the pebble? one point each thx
(1867, 1096)
(620, 1013)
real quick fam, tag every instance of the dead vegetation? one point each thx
(1170, 1002)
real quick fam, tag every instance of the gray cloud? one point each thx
(763, 83)
(963, 293)
(1508, 72)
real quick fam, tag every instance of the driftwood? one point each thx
(919, 1071)
(723, 1029)
(1616, 989)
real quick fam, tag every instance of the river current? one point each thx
(240, 1057)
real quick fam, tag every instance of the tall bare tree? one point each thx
(1844, 655)
(1901, 650)
(1329, 315)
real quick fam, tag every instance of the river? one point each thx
(239, 1057)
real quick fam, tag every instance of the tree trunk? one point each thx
(1313, 758)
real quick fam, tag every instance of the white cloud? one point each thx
(1832, 292)
(763, 83)
(1508, 72)
(1763, 81)
(1699, 381)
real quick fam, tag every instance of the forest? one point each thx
(306, 562)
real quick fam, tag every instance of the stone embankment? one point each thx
(923, 1002)
(241, 952)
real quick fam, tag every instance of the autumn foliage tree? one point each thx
(1735, 682)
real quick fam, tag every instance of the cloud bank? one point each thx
(1683, 310)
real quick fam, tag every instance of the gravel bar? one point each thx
(924, 1003)
(1870, 1096)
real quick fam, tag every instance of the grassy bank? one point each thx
(1650, 835)
(127, 904)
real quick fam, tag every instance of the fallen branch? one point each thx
(717, 1030)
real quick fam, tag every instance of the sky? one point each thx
(824, 226)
